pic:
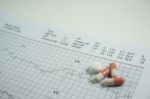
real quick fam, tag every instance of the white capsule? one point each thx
(98, 77)
(115, 73)
(118, 81)
(95, 68)
(114, 70)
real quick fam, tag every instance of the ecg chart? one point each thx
(30, 69)
(38, 62)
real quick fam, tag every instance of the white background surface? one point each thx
(116, 20)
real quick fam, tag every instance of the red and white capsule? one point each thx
(114, 70)
(96, 67)
(118, 81)
(103, 73)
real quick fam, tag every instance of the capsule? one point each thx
(96, 67)
(114, 70)
(118, 81)
(103, 73)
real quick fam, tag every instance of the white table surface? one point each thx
(117, 20)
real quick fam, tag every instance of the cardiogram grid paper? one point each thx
(33, 70)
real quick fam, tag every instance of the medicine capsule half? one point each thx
(96, 67)
(118, 81)
(114, 70)
(103, 73)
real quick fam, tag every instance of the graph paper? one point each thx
(32, 69)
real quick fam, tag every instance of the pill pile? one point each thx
(108, 76)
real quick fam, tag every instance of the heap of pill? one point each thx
(112, 70)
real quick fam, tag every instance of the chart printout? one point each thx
(39, 62)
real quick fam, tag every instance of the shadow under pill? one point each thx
(88, 72)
